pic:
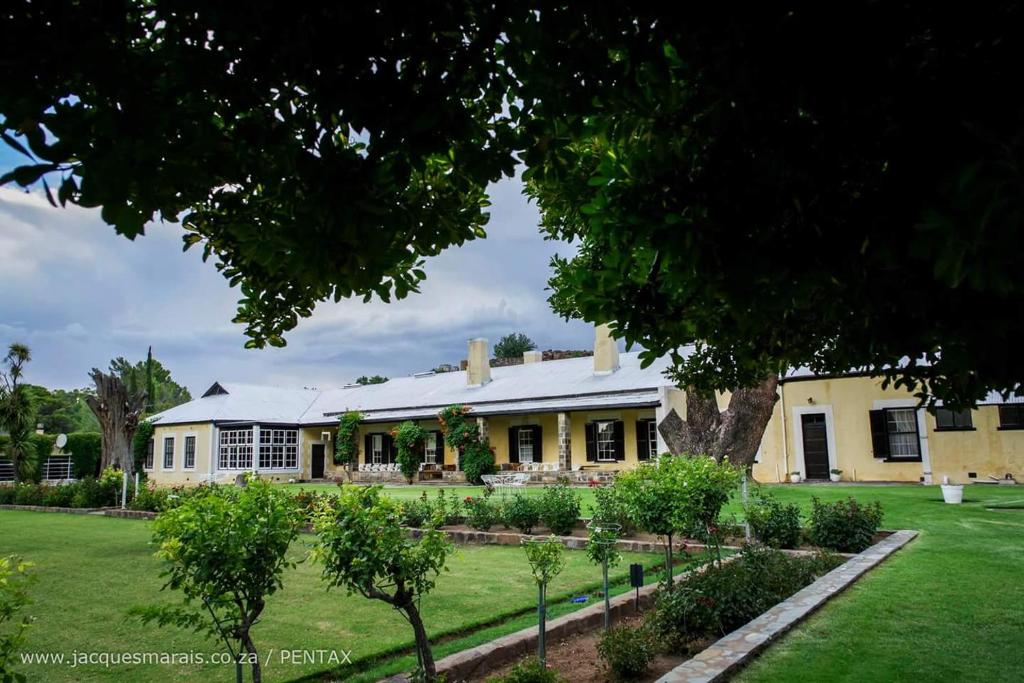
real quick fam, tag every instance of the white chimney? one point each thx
(606, 351)
(478, 367)
(532, 357)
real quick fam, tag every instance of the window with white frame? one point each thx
(430, 448)
(652, 437)
(377, 449)
(605, 432)
(525, 445)
(235, 449)
(279, 449)
(169, 453)
(190, 452)
(150, 447)
(903, 437)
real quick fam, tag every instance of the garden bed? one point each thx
(573, 639)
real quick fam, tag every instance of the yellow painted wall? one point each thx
(498, 427)
(179, 475)
(579, 436)
(985, 451)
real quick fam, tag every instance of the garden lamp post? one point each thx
(603, 537)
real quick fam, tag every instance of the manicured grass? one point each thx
(948, 607)
(92, 569)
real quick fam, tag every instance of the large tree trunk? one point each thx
(118, 412)
(734, 433)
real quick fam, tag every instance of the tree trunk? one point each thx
(734, 433)
(118, 412)
(426, 655)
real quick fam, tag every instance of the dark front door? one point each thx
(815, 446)
(317, 466)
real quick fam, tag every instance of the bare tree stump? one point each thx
(118, 412)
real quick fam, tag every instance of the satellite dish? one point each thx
(62, 440)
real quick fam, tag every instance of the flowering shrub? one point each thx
(626, 652)
(409, 441)
(481, 512)
(559, 508)
(723, 597)
(476, 454)
(522, 513)
(773, 523)
(845, 525)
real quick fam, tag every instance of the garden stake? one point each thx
(541, 620)
(607, 600)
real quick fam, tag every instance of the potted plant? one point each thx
(952, 493)
(794, 477)
(835, 475)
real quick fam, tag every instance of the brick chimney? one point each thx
(606, 351)
(532, 357)
(478, 366)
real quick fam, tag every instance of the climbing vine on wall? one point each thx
(463, 434)
(346, 445)
(409, 441)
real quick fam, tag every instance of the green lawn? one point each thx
(950, 606)
(91, 569)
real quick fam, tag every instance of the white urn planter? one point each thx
(795, 477)
(953, 493)
(835, 477)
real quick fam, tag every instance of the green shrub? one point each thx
(60, 496)
(559, 509)
(726, 596)
(6, 495)
(88, 494)
(522, 513)
(626, 652)
(151, 498)
(481, 512)
(85, 450)
(610, 507)
(415, 513)
(845, 525)
(28, 493)
(531, 671)
(477, 460)
(773, 523)
(140, 446)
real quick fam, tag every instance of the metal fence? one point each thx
(57, 468)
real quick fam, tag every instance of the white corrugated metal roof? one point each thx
(548, 385)
(243, 403)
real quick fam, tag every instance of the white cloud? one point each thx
(80, 295)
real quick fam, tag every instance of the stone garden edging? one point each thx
(106, 512)
(723, 658)
(482, 658)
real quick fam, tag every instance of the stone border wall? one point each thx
(720, 661)
(106, 512)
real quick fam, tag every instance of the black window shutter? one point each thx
(620, 440)
(439, 459)
(643, 444)
(879, 433)
(368, 448)
(513, 444)
(591, 442)
(538, 454)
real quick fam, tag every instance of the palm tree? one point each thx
(17, 412)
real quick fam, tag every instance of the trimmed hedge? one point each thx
(85, 450)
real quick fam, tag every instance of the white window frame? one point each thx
(605, 446)
(193, 437)
(652, 438)
(278, 449)
(430, 448)
(377, 449)
(526, 445)
(164, 467)
(232, 447)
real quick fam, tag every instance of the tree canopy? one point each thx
(513, 345)
(766, 184)
(152, 377)
(62, 411)
(365, 380)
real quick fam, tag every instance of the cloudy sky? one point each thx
(79, 295)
